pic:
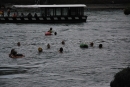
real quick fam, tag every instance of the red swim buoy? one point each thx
(48, 33)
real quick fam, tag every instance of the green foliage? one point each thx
(122, 78)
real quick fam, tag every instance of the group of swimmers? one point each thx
(84, 45)
(48, 45)
(14, 54)
(100, 45)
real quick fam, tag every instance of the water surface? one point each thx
(75, 67)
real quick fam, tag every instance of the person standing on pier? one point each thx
(8, 12)
(2, 13)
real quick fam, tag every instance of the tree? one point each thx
(121, 79)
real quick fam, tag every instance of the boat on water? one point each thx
(68, 13)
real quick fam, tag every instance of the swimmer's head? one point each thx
(61, 50)
(18, 44)
(100, 46)
(91, 44)
(63, 42)
(13, 52)
(55, 33)
(51, 28)
(48, 46)
(39, 49)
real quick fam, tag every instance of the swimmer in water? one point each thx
(48, 46)
(40, 49)
(63, 42)
(55, 33)
(50, 30)
(14, 54)
(18, 44)
(91, 44)
(61, 50)
(100, 46)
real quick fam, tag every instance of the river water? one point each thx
(75, 67)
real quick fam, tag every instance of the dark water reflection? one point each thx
(75, 67)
